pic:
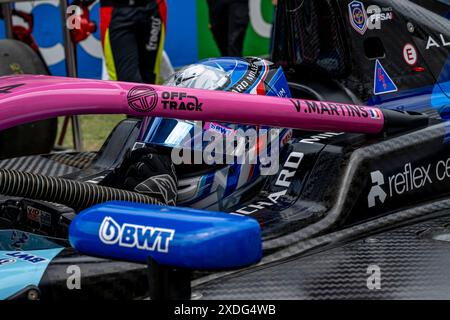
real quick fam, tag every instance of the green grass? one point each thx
(94, 128)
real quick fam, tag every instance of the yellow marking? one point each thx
(109, 58)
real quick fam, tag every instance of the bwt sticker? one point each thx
(135, 236)
(218, 128)
(21, 255)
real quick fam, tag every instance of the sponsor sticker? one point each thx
(411, 178)
(24, 256)
(383, 83)
(5, 261)
(377, 14)
(218, 128)
(180, 101)
(330, 109)
(135, 236)
(410, 54)
(142, 98)
(284, 181)
(39, 216)
(437, 42)
(358, 16)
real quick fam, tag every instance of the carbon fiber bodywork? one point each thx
(341, 204)
(331, 186)
(330, 259)
(53, 165)
(316, 37)
(327, 194)
(100, 278)
(412, 265)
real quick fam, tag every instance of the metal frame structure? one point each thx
(69, 50)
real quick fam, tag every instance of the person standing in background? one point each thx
(228, 21)
(274, 21)
(132, 34)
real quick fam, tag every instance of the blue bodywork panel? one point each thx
(24, 257)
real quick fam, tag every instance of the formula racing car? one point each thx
(345, 193)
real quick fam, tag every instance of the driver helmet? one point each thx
(216, 186)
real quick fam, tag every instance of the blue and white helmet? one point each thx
(216, 186)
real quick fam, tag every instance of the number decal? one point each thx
(7, 89)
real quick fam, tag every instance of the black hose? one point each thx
(74, 194)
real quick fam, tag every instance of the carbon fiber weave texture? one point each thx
(412, 265)
(55, 165)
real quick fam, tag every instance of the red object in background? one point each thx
(105, 20)
(22, 33)
(418, 69)
(87, 27)
(25, 34)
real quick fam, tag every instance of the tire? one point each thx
(33, 138)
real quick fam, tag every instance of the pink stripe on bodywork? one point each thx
(31, 98)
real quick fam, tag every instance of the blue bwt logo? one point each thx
(135, 236)
(31, 258)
